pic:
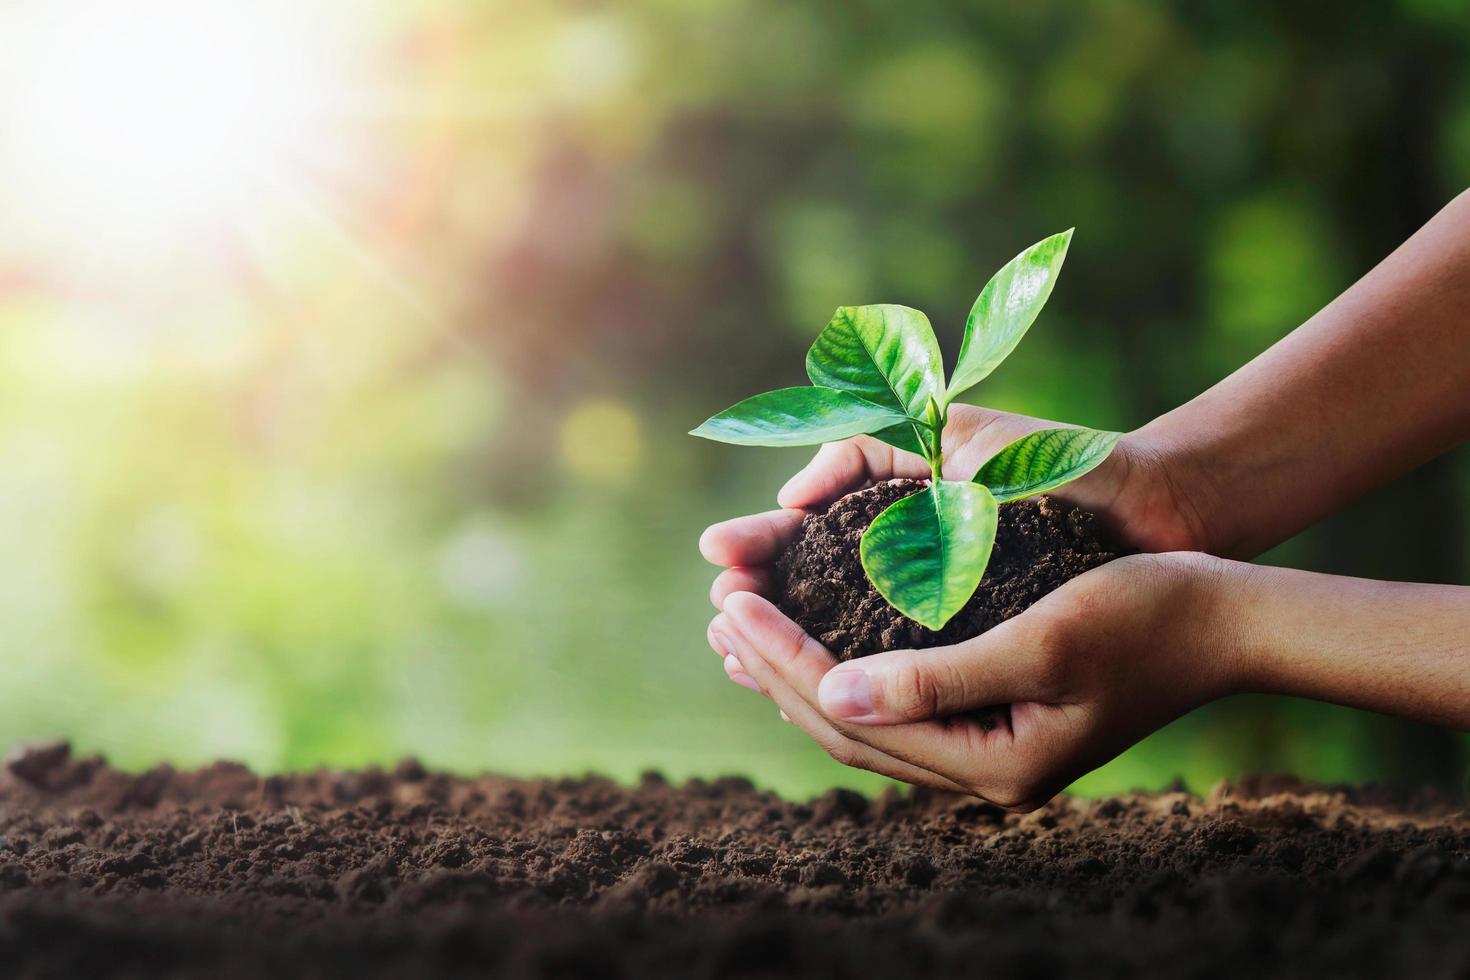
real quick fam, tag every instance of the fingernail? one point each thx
(736, 673)
(721, 645)
(785, 717)
(846, 693)
(746, 681)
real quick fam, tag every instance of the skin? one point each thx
(1373, 385)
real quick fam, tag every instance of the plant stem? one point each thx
(936, 440)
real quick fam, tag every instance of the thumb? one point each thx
(905, 686)
(841, 467)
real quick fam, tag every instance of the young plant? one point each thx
(877, 370)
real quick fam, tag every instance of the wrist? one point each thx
(1162, 492)
(1214, 612)
(1235, 598)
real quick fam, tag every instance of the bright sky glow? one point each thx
(135, 123)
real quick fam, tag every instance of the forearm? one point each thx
(1392, 647)
(1373, 385)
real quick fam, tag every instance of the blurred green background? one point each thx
(343, 398)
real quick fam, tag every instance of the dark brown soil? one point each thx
(221, 873)
(1040, 544)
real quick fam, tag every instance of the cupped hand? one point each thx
(1140, 491)
(1092, 668)
(1137, 490)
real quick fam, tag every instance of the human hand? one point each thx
(1092, 668)
(1137, 491)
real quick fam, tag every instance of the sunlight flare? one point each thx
(152, 122)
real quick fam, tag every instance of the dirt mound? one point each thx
(1039, 544)
(219, 872)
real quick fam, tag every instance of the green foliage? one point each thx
(886, 354)
(906, 436)
(1006, 308)
(877, 370)
(798, 417)
(926, 553)
(1044, 460)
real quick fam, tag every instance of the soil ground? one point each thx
(221, 873)
(1040, 544)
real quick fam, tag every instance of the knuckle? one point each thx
(846, 455)
(841, 752)
(874, 455)
(771, 538)
(913, 691)
(954, 686)
(807, 645)
(792, 642)
(1079, 603)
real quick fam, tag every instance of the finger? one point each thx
(757, 580)
(840, 467)
(798, 656)
(984, 759)
(801, 662)
(764, 639)
(974, 434)
(736, 673)
(799, 712)
(747, 541)
(716, 641)
(899, 687)
(724, 650)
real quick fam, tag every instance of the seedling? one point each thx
(877, 370)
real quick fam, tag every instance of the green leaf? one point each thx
(1044, 460)
(885, 354)
(1007, 307)
(926, 553)
(905, 436)
(797, 417)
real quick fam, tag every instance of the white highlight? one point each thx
(141, 120)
